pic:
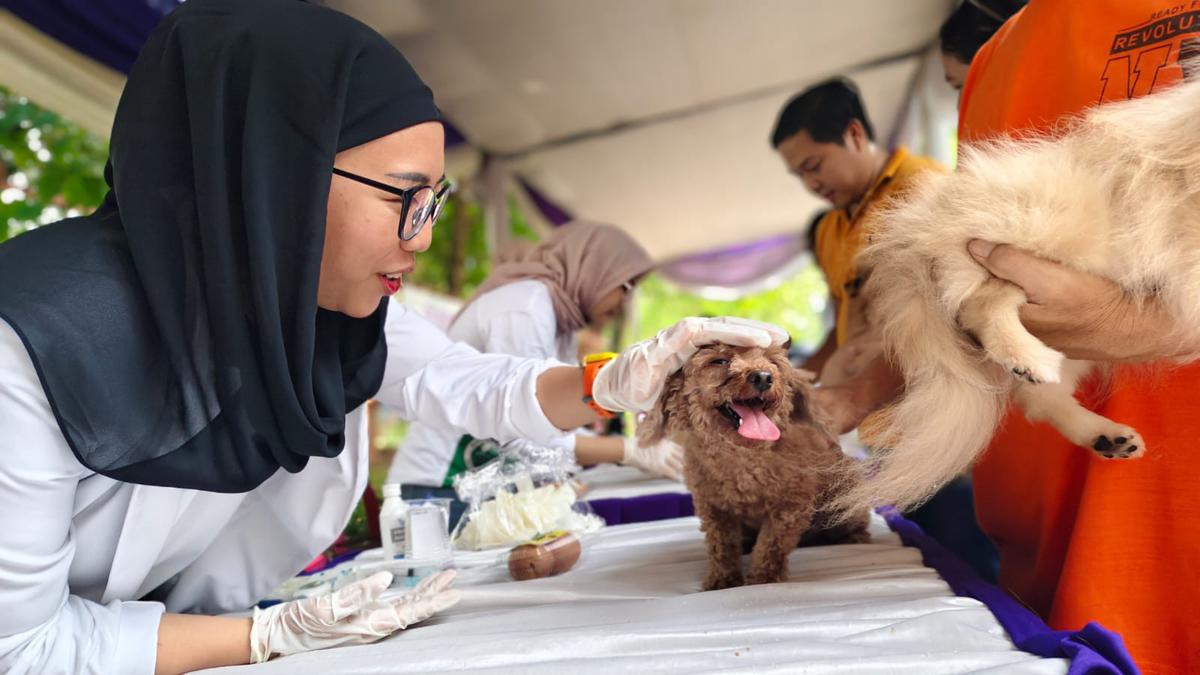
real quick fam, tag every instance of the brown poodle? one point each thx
(758, 459)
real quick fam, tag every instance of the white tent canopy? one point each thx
(655, 115)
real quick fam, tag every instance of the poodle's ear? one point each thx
(807, 404)
(800, 377)
(656, 425)
(805, 408)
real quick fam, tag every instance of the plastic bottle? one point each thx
(392, 522)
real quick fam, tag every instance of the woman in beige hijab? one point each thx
(535, 307)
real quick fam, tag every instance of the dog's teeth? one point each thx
(734, 418)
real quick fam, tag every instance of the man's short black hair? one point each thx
(973, 24)
(824, 111)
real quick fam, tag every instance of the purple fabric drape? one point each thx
(738, 265)
(551, 211)
(1093, 650)
(109, 31)
(644, 509)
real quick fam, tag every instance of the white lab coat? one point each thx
(78, 549)
(516, 319)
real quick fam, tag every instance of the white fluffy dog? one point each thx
(1118, 195)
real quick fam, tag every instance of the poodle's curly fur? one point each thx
(741, 486)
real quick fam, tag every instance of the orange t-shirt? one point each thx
(841, 237)
(1081, 538)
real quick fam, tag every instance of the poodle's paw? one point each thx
(1123, 443)
(856, 537)
(720, 580)
(766, 577)
(851, 533)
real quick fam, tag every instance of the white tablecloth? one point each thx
(632, 605)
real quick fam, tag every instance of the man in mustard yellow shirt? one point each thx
(826, 140)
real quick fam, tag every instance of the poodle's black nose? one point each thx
(760, 380)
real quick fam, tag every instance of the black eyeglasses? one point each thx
(427, 200)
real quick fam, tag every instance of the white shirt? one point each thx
(516, 319)
(77, 549)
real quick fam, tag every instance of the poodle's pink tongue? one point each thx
(755, 424)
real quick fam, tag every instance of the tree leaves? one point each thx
(797, 305)
(433, 266)
(48, 166)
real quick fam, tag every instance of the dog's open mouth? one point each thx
(750, 420)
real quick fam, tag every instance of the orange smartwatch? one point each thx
(592, 363)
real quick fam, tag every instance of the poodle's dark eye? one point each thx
(719, 362)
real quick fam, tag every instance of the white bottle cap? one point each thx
(391, 490)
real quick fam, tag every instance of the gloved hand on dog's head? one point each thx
(633, 381)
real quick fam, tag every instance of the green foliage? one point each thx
(49, 167)
(796, 305)
(434, 266)
(391, 432)
(357, 532)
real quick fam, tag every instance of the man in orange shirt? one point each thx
(1081, 539)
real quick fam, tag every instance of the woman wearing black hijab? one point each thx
(274, 168)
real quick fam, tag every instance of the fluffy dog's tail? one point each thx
(953, 398)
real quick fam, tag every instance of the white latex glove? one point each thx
(350, 615)
(633, 381)
(664, 458)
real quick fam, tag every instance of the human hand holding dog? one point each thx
(633, 381)
(850, 359)
(846, 405)
(1082, 315)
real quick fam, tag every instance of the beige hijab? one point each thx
(579, 263)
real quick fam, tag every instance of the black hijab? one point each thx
(175, 330)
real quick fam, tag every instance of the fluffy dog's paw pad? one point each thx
(1128, 446)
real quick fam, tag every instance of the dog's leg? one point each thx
(723, 538)
(853, 530)
(1056, 404)
(851, 527)
(856, 530)
(990, 314)
(777, 538)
